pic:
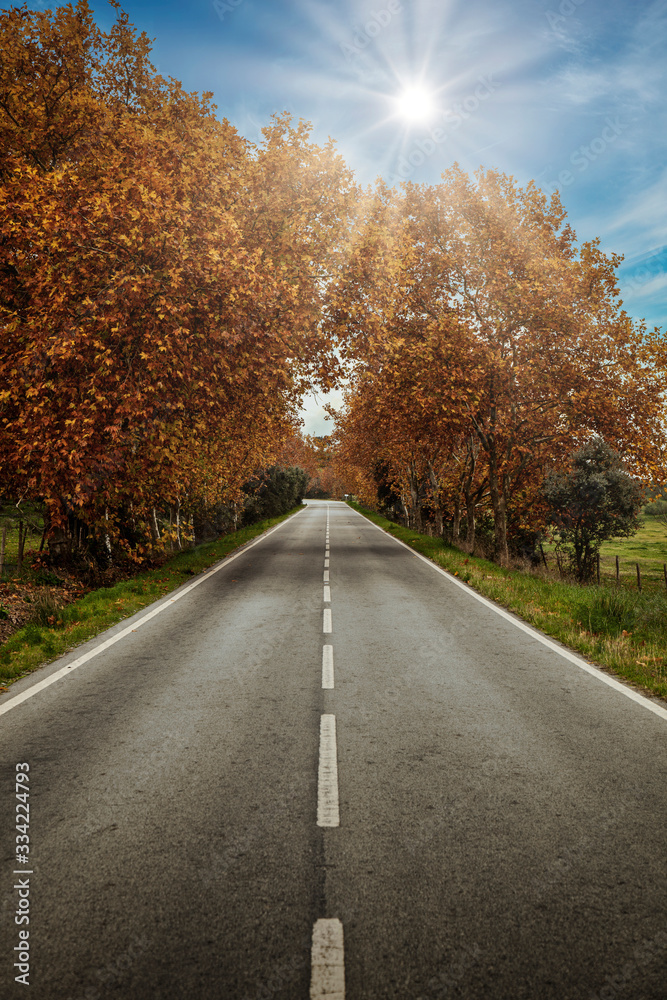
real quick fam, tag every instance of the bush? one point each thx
(46, 610)
(273, 492)
(596, 500)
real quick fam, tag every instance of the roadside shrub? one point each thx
(273, 492)
(46, 610)
(595, 500)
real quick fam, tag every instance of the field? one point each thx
(648, 548)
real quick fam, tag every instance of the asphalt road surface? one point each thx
(345, 780)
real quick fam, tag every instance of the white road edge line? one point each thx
(565, 653)
(327, 668)
(167, 603)
(327, 961)
(327, 774)
(326, 621)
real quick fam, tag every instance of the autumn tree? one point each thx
(562, 358)
(538, 353)
(159, 280)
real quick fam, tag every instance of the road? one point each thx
(461, 811)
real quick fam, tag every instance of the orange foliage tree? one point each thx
(160, 276)
(484, 342)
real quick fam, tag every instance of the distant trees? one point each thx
(594, 500)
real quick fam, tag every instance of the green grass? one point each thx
(617, 628)
(12, 547)
(648, 547)
(39, 642)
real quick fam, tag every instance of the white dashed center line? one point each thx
(326, 576)
(327, 774)
(327, 668)
(327, 961)
(326, 563)
(326, 624)
(327, 594)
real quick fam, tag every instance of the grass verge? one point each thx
(621, 631)
(40, 642)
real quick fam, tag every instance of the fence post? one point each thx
(639, 577)
(617, 571)
(597, 566)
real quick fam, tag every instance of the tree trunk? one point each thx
(22, 536)
(470, 523)
(499, 505)
(471, 462)
(414, 500)
(178, 525)
(437, 510)
(107, 540)
(155, 528)
(456, 521)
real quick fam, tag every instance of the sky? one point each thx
(569, 93)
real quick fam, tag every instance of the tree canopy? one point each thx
(161, 276)
(485, 345)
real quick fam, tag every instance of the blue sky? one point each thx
(570, 93)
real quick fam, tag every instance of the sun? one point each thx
(415, 104)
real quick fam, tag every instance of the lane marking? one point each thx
(327, 961)
(326, 624)
(327, 668)
(326, 563)
(326, 576)
(529, 630)
(327, 594)
(327, 774)
(167, 603)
